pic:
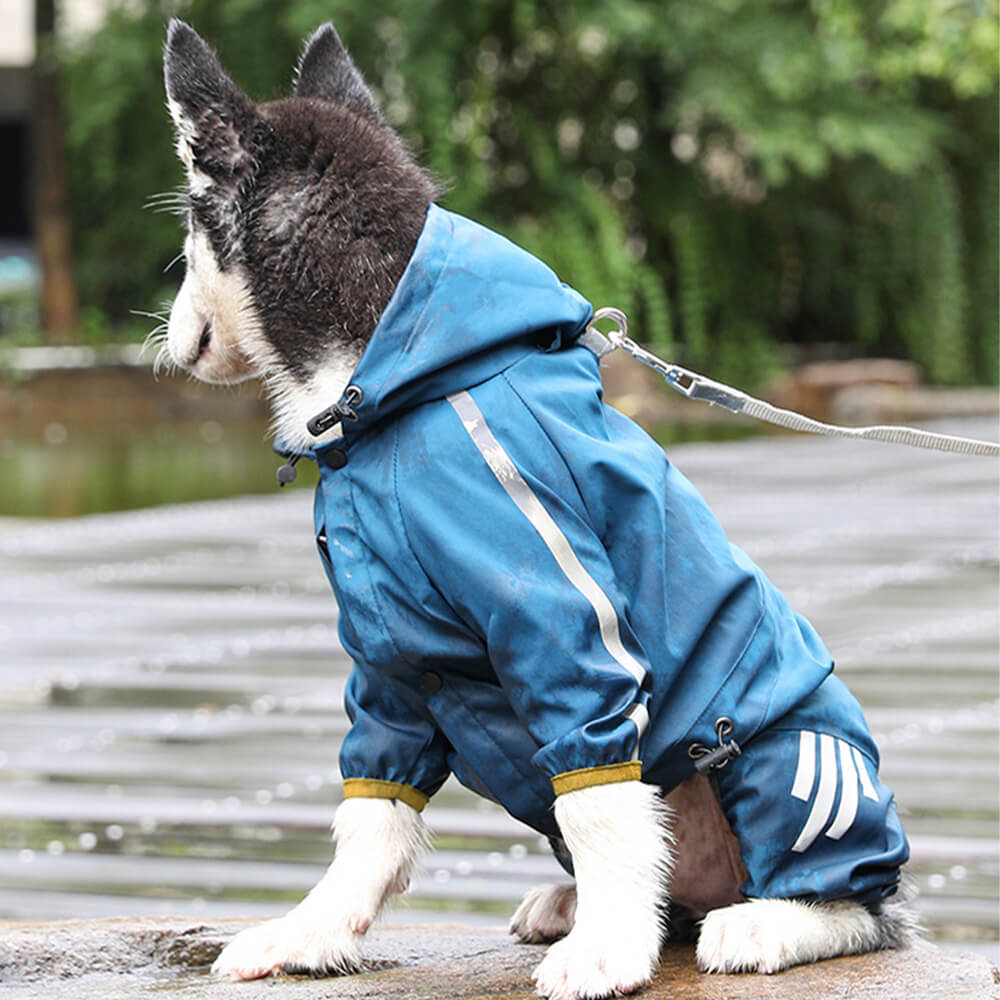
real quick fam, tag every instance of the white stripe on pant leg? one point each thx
(848, 794)
(521, 493)
(825, 795)
(866, 782)
(805, 772)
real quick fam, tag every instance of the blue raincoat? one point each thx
(537, 601)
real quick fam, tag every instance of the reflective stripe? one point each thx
(848, 794)
(866, 782)
(806, 770)
(638, 714)
(825, 795)
(521, 493)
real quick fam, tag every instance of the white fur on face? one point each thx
(378, 843)
(218, 305)
(238, 349)
(619, 838)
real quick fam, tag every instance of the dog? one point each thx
(535, 599)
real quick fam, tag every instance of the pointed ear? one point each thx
(326, 70)
(215, 120)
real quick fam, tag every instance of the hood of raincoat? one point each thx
(468, 305)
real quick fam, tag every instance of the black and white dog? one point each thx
(302, 216)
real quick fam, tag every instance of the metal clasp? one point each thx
(714, 758)
(621, 324)
(681, 379)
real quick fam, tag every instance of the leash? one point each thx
(696, 386)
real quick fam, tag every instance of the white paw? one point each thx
(587, 965)
(292, 944)
(545, 914)
(768, 935)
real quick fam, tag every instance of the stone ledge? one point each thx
(125, 958)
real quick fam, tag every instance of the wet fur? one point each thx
(302, 214)
(334, 220)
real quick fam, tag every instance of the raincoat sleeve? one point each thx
(517, 559)
(393, 749)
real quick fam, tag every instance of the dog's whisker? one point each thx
(163, 318)
(177, 197)
(155, 338)
(180, 256)
(163, 362)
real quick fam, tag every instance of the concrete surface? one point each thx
(146, 958)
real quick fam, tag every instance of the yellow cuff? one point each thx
(586, 777)
(374, 788)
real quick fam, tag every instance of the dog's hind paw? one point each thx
(585, 967)
(545, 914)
(768, 935)
(291, 946)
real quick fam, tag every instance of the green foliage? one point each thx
(18, 310)
(734, 173)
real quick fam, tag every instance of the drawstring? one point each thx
(327, 418)
(340, 411)
(337, 413)
(286, 472)
(717, 757)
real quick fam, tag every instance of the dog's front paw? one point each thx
(253, 953)
(292, 944)
(587, 966)
(545, 914)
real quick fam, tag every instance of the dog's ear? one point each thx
(326, 70)
(216, 122)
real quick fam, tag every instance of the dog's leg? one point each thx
(768, 935)
(377, 845)
(619, 838)
(545, 914)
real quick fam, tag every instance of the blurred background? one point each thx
(799, 196)
(760, 184)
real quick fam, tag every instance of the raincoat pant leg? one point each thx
(804, 800)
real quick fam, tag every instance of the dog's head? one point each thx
(301, 214)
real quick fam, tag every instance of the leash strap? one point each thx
(696, 386)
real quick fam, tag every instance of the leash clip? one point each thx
(715, 758)
(681, 379)
(619, 333)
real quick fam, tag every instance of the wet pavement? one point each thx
(171, 684)
(127, 960)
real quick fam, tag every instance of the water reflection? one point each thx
(61, 472)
